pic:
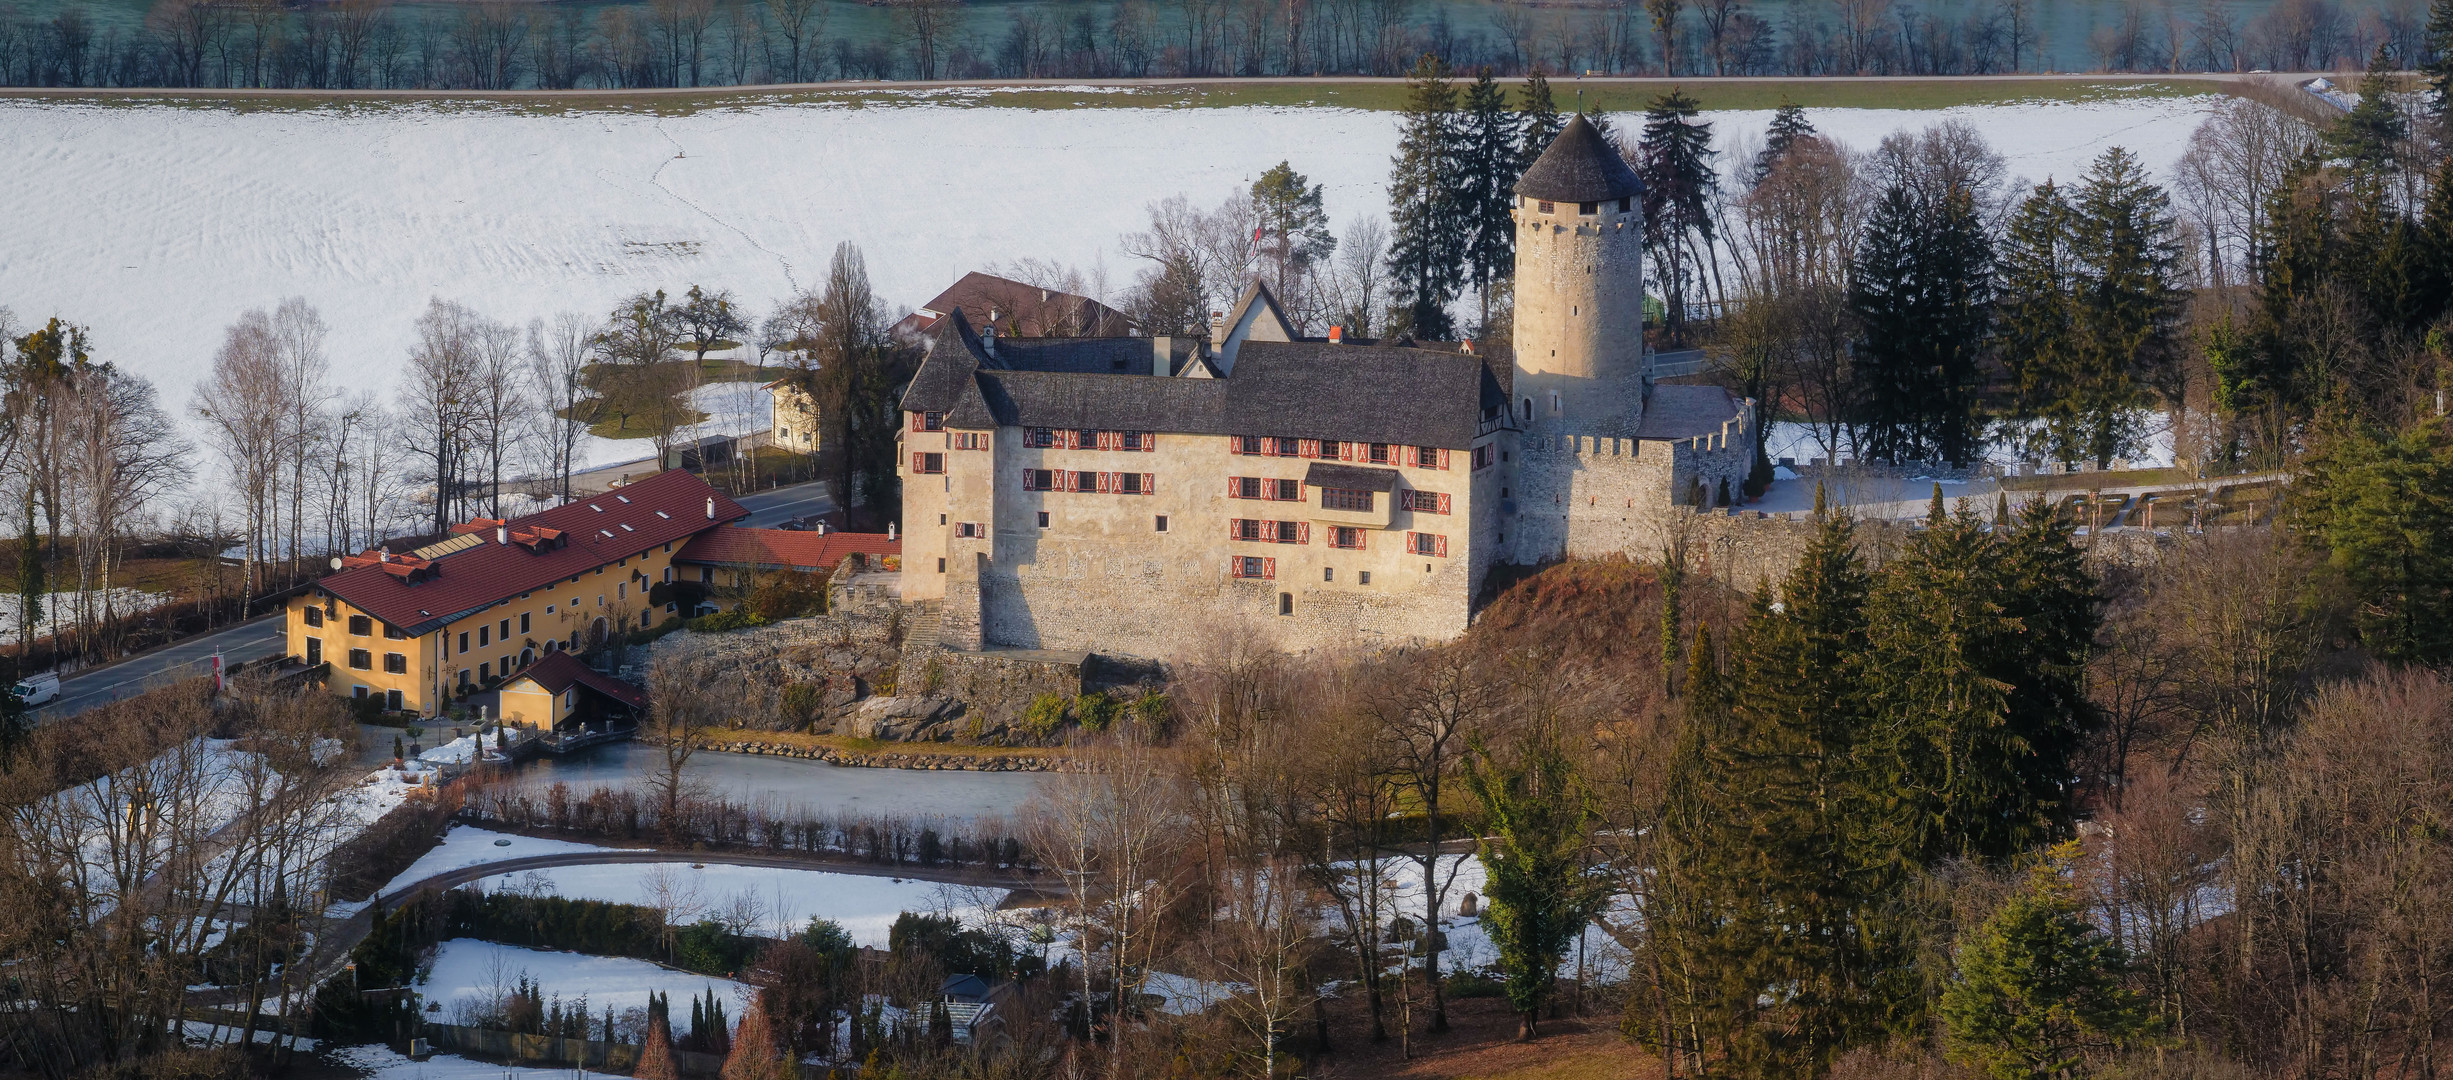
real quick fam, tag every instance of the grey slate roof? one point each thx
(1580, 166)
(1350, 477)
(1684, 412)
(1414, 396)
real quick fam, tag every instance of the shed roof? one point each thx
(559, 671)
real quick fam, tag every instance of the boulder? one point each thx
(903, 718)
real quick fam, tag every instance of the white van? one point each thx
(36, 690)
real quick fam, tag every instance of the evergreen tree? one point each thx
(1490, 167)
(1922, 291)
(756, 1053)
(1292, 225)
(1541, 119)
(2037, 988)
(1427, 251)
(2034, 324)
(1538, 820)
(2369, 138)
(2439, 69)
(2380, 505)
(32, 586)
(656, 1054)
(2128, 301)
(1796, 894)
(1789, 124)
(1675, 159)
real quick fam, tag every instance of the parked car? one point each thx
(36, 690)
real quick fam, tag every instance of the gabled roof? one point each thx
(1416, 395)
(559, 671)
(629, 520)
(1018, 308)
(1580, 166)
(776, 549)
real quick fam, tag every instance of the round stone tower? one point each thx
(1580, 289)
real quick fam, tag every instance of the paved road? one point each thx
(777, 505)
(127, 678)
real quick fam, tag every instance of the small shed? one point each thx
(561, 694)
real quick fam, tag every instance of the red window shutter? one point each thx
(1235, 566)
(1235, 528)
(1107, 482)
(1149, 483)
(1149, 442)
(1235, 444)
(915, 422)
(1362, 538)
(1235, 487)
(1442, 543)
(1303, 532)
(916, 459)
(1269, 569)
(1443, 503)
(1443, 457)
(1309, 448)
(1345, 451)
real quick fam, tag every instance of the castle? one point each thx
(1129, 494)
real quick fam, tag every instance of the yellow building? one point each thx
(795, 416)
(414, 630)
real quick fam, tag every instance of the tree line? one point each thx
(371, 44)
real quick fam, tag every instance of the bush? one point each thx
(1045, 714)
(1475, 984)
(802, 700)
(1095, 710)
(738, 618)
(1150, 710)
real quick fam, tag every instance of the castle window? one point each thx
(1426, 544)
(1624, 204)
(1363, 578)
(1252, 567)
(1379, 453)
(1130, 484)
(970, 440)
(1328, 573)
(1286, 603)
(1425, 502)
(1246, 444)
(1346, 537)
(1344, 499)
(1133, 440)
(1038, 438)
(1038, 480)
(934, 421)
(1548, 208)
(1086, 439)
(1483, 455)
(1287, 490)
(1243, 487)
(1085, 481)
(1329, 450)
(1585, 209)
(1162, 523)
(970, 530)
(1043, 519)
(928, 463)
(1528, 408)
(1427, 457)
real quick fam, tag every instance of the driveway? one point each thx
(775, 506)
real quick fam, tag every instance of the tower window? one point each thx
(1547, 208)
(1585, 209)
(1623, 204)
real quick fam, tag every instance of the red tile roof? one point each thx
(545, 547)
(559, 671)
(769, 549)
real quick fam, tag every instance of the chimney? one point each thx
(384, 553)
(889, 532)
(1162, 356)
(1337, 335)
(502, 534)
(988, 340)
(821, 528)
(711, 508)
(1217, 330)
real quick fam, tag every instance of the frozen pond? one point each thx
(751, 778)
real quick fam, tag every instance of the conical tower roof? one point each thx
(1579, 167)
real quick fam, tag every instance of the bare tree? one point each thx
(126, 455)
(439, 400)
(558, 359)
(926, 25)
(2236, 159)
(683, 704)
(500, 413)
(801, 24)
(1441, 700)
(298, 345)
(246, 374)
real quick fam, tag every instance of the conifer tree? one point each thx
(1922, 290)
(1789, 124)
(756, 1053)
(656, 1054)
(1539, 114)
(2439, 69)
(1675, 159)
(1292, 225)
(1490, 169)
(1427, 250)
(2034, 322)
(2381, 506)
(2369, 138)
(1539, 819)
(2036, 990)
(2128, 301)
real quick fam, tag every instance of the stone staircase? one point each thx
(921, 632)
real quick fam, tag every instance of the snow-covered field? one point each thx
(785, 900)
(465, 968)
(60, 608)
(383, 1063)
(157, 225)
(464, 847)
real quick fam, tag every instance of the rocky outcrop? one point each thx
(904, 718)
